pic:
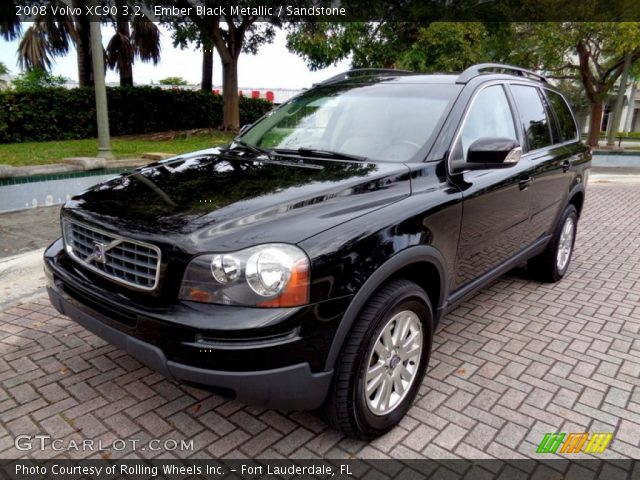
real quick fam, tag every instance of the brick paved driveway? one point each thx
(518, 360)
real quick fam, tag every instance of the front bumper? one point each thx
(271, 373)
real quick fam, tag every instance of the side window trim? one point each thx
(576, 131)
(507, 93)
(515, 115)
(554, 124)
(527, 151)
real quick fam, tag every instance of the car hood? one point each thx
(216, 201)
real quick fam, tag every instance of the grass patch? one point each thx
(39, 153)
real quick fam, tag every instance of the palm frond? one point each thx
(10, 26)
(33, 50)
(146, 40)
(10, 30)
(59, 32)
(120, 51)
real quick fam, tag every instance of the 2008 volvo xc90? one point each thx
(307, 264)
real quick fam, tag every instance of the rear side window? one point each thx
(566, 124)
(533, 116)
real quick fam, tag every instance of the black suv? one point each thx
(307, 264)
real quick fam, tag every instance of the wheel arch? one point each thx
(422, 264)
(576, 198)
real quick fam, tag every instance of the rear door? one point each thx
(546, 153)
(495, 219)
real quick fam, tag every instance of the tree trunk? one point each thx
(614, 124)
(229, 47)
(83, 47)
(207, 68)
(595, 123)
(231, 100)
(125, 66)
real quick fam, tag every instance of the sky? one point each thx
(273, 67)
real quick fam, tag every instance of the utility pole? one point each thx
(617, 109)
(102, 112)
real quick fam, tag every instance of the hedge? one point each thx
(63, 114)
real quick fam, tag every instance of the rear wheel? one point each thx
(552, 264)
(382, 363)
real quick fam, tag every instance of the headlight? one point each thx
(270, 275)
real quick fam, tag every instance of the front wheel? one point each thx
(552, 264)
(383, 361)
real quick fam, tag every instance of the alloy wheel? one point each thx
(393, 362)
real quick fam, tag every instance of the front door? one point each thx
(496, 202)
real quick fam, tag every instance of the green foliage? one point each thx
(448, 47)
(370, 45)
(173, 81)
(251, 109)
(552, 47)
(574, 92)
(61, 114)
(37, 79)
(3, 69)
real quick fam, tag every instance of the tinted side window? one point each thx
(489, 116)
(566, 124)
(533, 116)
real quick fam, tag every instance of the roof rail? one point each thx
(481, 68)
(362, 72)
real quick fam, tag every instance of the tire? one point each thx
(347, 408)
(552, 264)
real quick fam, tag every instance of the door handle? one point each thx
(524, 182)
(566, 165)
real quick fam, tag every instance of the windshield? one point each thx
(382, 121)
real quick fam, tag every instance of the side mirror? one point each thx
(244, 128)
(486, 153)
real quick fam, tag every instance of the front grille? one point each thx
(126, 261)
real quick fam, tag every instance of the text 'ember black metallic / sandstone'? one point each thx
(307, 264)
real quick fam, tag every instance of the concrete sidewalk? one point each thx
(23, 237)
(28, 230)
(21, 278)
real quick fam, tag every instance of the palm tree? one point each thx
(139, 38)
(186, 32)
(49, 36)
(52, 35)
(83, 46)
(206, 85)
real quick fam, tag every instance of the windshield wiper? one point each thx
(251, 148)
(318, 152)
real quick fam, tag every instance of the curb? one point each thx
(72, 164)
(21, 277)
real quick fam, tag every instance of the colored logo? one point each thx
(574, 443)
(98, 252)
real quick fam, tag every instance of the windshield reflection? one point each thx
(381, 121)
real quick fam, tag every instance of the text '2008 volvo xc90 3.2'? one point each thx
(307, 264)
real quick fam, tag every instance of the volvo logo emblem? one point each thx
(99, 252)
